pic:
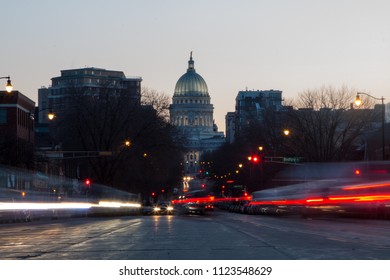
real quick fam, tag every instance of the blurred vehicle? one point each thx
(342, 197)
(163, 208)
(209, 207)
(192, 208)
(194, 202)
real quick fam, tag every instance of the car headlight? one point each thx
(156, 209)
(170, 208)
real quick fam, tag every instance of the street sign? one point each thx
(292, 159)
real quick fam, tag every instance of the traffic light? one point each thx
(203, 186)
(358, 172)
(87, 182)
(254, 158)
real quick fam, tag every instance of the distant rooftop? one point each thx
(96, 72)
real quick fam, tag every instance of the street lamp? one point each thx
(127, 143)
(358, 102)
(50, 115)
(8, 86)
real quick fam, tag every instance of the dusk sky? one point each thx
(289, 45)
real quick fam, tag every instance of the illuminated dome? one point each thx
(191, 112)
(191, 83)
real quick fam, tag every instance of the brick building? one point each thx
(16, 129)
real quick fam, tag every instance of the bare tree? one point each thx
(329, 97)
(158, 100)
(102, 121)
(326, 126)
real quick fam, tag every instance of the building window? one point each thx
(3, 115)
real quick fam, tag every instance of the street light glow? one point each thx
(358, 100)
(51, 115)
(8, 86)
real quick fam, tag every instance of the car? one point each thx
(194, 202)
(191, 208)
(209, 207)
(163, 208)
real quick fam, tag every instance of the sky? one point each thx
(288, 45)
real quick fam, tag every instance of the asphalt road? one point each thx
(220, 235)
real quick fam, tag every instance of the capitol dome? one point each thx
(191, 83)
(191, 112)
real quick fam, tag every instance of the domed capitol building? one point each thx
(192, 113)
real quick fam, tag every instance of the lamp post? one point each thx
(8, 86)
(50, 115)
(358, 102)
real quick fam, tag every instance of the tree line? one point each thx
(321, 125)
(134, 144)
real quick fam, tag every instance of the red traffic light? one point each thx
(357, 172)
(254, 158)
(87, 182)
